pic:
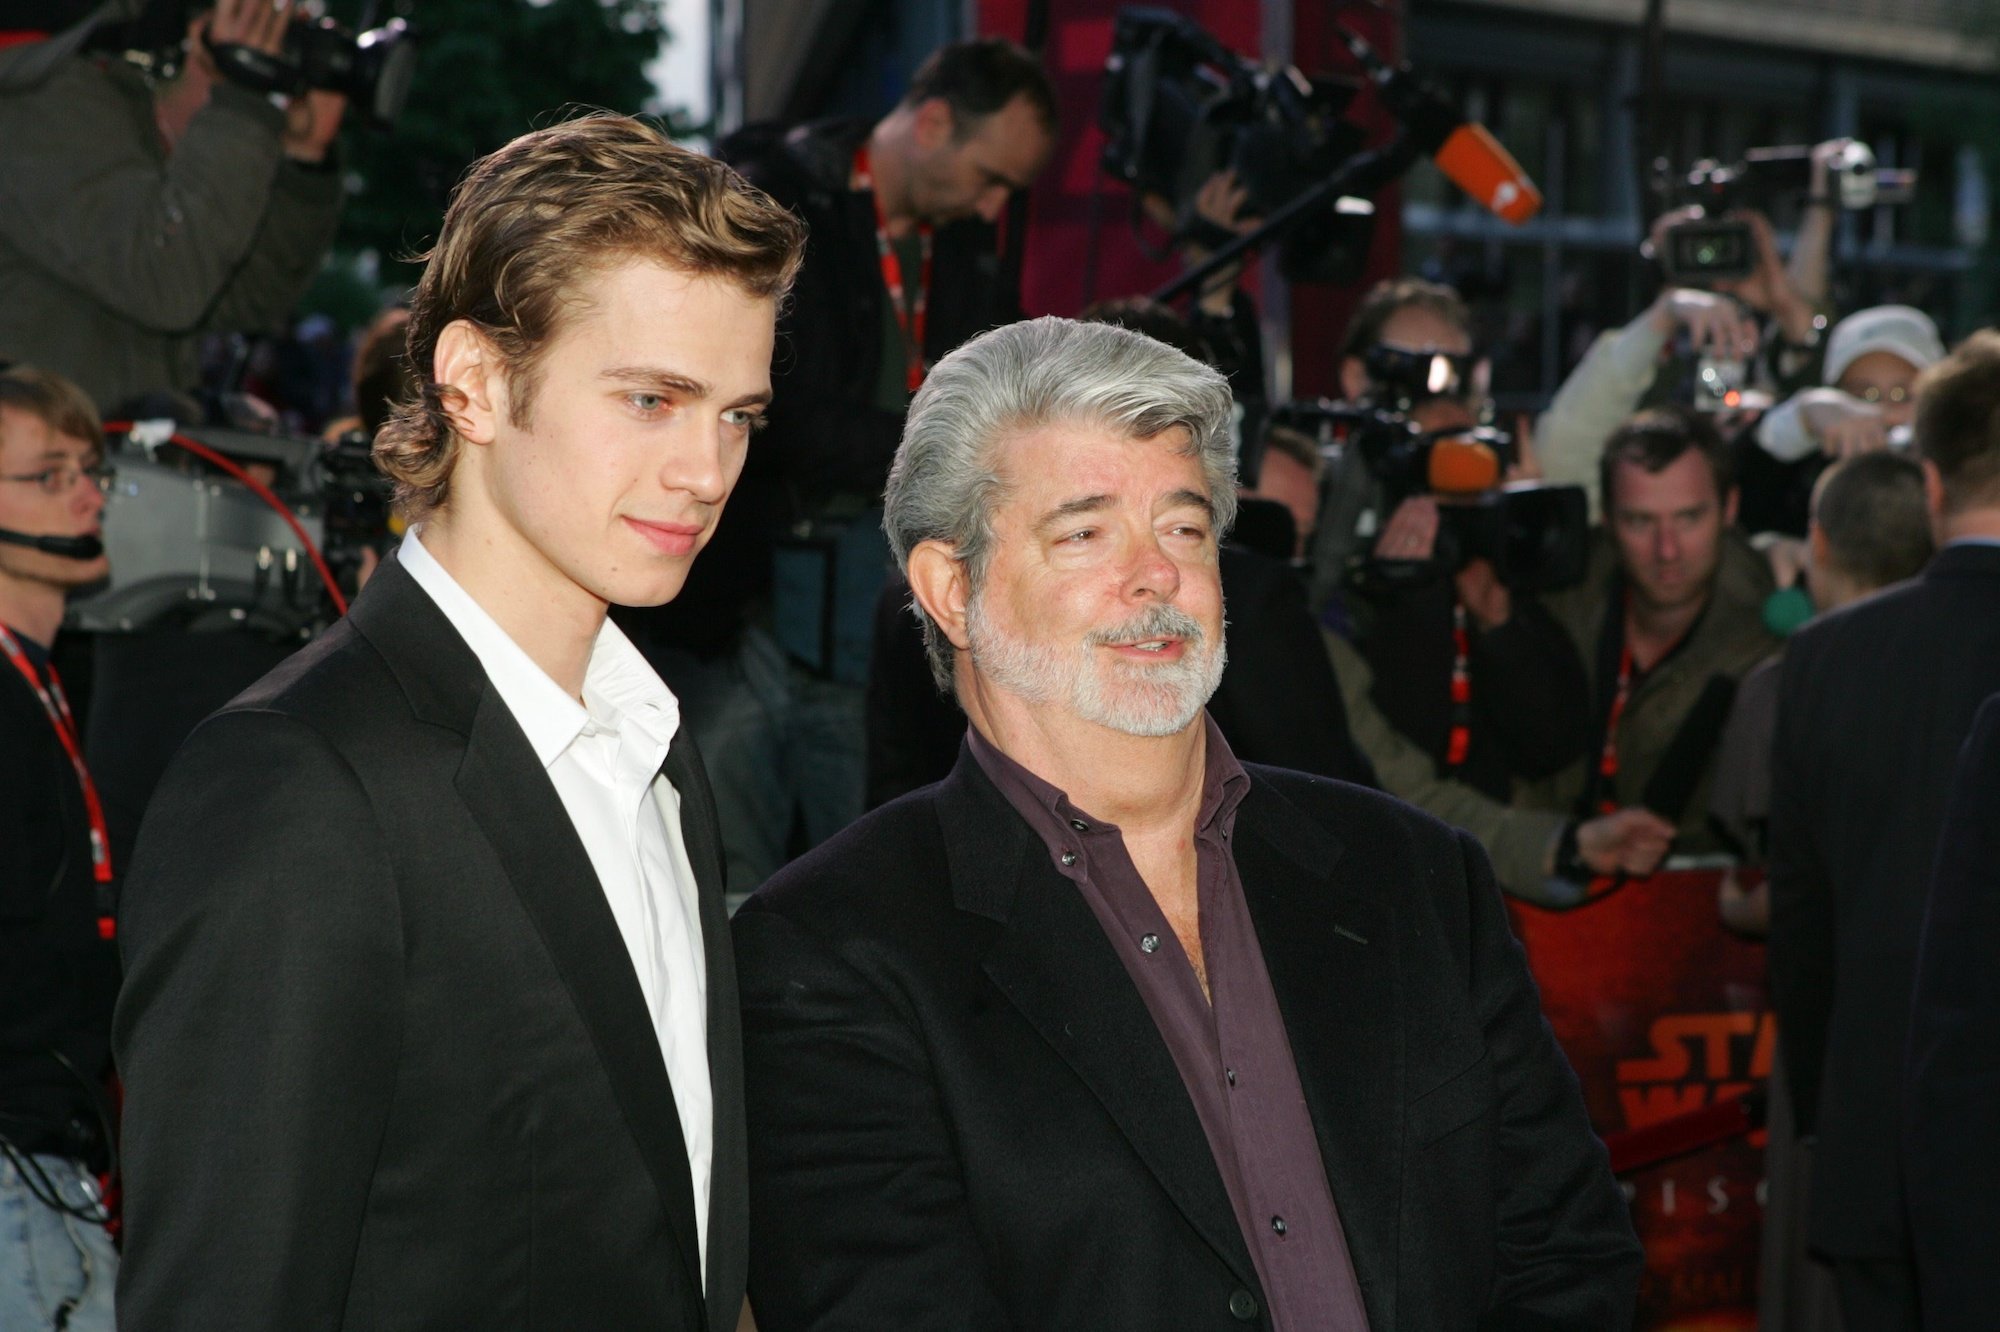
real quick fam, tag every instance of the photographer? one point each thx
(58, 966)
(1773, 317)
(1873, 358)
(133, 217)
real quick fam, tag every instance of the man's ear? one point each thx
(1729, 506)
(1933, 489)
(474, 388)
(934, 124)
(1353, 378)
(939, 584)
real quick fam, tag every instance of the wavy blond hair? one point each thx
(535, 219)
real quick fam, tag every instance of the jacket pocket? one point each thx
(1460, 1099)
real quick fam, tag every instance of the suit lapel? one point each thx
(518, 809)
(1054, 964)
(728, 1198)
(1338, 996)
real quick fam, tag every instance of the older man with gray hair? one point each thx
(1108, 1030)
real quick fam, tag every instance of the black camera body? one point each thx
(1717, 247)
(1536, 536)
(1178, 106)
(373, 69)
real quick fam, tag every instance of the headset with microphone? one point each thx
(67, 547)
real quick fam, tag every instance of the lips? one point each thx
(667, 538)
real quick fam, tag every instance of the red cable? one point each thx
(262, 492)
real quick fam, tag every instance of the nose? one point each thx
(86, 498)
(1667, 544)
(1152, 575)
(695, 463)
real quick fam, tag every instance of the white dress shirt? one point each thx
(603, 756)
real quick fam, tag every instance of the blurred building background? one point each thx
(1561, 82)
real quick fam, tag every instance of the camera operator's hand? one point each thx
(311, 122)
(1716, 325)
(1629, 841)
(257, 24)
(1411, 532)
(1843, 425)
(1219, 203)
(1769, 289)
(1483, 595)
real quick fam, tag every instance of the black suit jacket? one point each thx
(1952, 1078)
(962, 1115)
(387, 1064)
(1875, 701)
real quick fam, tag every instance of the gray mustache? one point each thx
(1158, 622)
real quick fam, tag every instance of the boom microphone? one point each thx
(69, 548)
(1467, 153)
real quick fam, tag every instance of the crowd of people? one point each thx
(1120, 782)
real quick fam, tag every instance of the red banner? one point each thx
(1662, 1011)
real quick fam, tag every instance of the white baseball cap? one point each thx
(1900, 330)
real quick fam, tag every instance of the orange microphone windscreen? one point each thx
(1480, 165)
(1461, 465)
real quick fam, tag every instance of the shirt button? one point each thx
(1278, 1224)
(1079, 825)
(1242, 1305)
(1149, 943)
(1230, 1073)
(1067, 857)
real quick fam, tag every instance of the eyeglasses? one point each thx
(1900, 393)
(58, 480)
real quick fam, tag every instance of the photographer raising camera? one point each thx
(136, 210)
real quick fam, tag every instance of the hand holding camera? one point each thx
(1843, 424)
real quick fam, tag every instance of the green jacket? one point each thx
(113, 254)
(1521, 837)
(1728, 640)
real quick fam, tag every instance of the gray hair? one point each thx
(1021, 377)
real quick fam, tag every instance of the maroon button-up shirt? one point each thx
(1230, 1046)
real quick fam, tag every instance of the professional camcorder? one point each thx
(191, 536)
(372, 65)
(1178, 106)
(1534, 535)
(372, 68)
(1719, 247)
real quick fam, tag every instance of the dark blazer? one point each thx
(1952, 1078)
(1875, 701)
(962, 1115)
(387, 1064)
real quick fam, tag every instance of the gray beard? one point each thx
(1149, 700)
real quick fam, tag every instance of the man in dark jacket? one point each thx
(900, 267)
(1875, 703)
(1109, 1030)
(134, 218)
(58, 967)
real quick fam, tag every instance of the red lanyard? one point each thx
(56, 704)
(910, 317)
(1607, 762)
(1459, 742)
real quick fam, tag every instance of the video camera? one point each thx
(1535, 536)
(372, 65)
(187, 539)
(1178, 106)
(1718, 247)
(373, 69)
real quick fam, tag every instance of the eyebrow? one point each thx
(1082, 504)
(1071, 509)
(669, 381)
